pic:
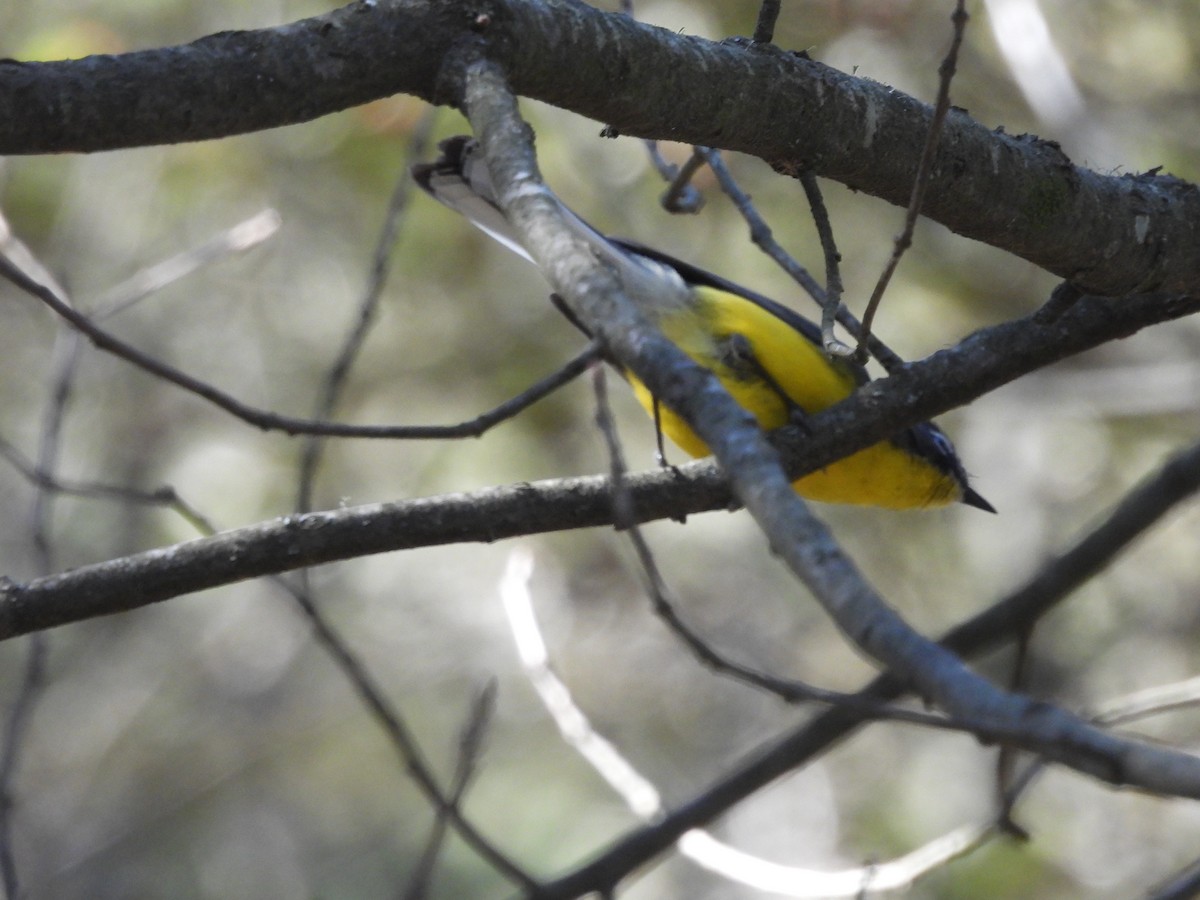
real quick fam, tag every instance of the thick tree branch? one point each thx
(1111, 235)
(227, 83)
(311, 539)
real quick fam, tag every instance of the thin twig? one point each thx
(65, 363)
(339, 372)
(888, 876)
(760, 231)
(1152, 701)
(681, 196)
(924, 172)
(374, 699)
(637, 791)
(762, 236)
(16, 257)
(238, 239)
(33, 678)
(165, 496)
(764, 28)
(833, 258)
(269, 421)
(470, 745)
(1132, 707)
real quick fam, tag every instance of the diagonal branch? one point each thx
(1178, 480)
(921, 182)
(273, 421)
(606, 303)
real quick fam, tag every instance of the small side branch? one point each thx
(270, 421)
(339, 371)
(924, 172)
(764, 28)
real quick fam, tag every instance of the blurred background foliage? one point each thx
(205, 748)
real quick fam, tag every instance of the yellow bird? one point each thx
(768, 357)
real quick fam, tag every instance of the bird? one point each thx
(766, 355)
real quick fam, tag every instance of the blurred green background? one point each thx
(205, 748)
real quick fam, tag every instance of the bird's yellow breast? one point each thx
(881, 475)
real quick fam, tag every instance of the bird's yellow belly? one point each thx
(882, 475)
(784, 364)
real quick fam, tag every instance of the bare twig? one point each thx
(16, 257)
(335, 379)
(832, 302)
(924, 171)
(375, 700)
(165, 496)
(238, 239)
(760, 231)
(638, 792)
(15, 252)
(888, 876)
(764, 28)
(681, 196)
(65, 362)
(762, 236)
(1151, 701)
(269, 421)
(1132, 707)
(470, 745)
(33, 678)
(66, 346)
